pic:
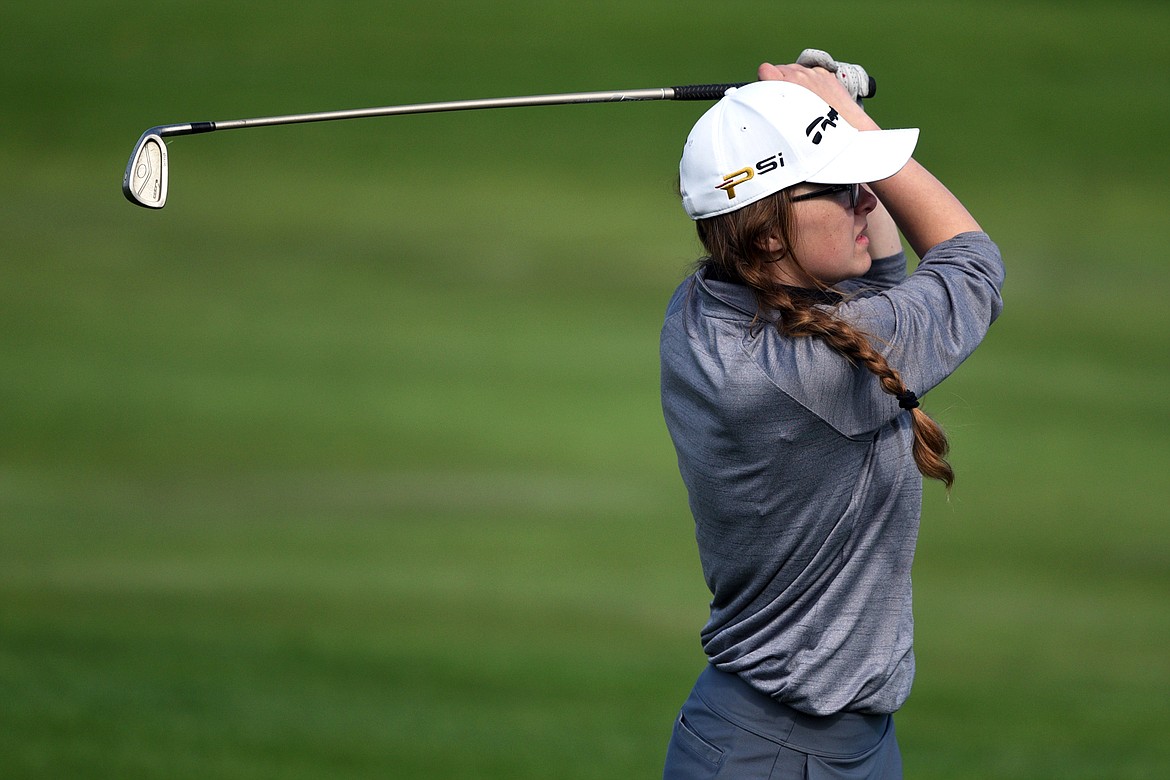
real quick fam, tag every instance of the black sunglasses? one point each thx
(854, 191)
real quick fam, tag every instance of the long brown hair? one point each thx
(736, 245)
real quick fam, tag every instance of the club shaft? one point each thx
(694, 92)
(145, 180)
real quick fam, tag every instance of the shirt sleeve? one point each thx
(926, 326)
(883, 273)
(931, 322)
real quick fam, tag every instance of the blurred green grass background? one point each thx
(350, 463)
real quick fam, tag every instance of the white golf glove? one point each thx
(854, 77)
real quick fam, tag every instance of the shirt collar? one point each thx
(740, 297)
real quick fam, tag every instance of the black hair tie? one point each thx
(907, 400)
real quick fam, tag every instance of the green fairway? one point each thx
(350, 463)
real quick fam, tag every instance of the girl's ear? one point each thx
(773, 246)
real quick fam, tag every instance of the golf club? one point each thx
(145, 182)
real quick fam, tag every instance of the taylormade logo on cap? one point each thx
(769, 135)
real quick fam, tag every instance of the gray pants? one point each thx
(727, 729)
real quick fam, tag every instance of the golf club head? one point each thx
(145, 180)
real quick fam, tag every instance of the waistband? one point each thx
(842, 735)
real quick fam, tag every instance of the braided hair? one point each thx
(736, 242)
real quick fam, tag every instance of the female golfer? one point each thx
(793, 361)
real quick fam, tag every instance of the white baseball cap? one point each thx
(768, 135)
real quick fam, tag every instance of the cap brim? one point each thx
(872, 155)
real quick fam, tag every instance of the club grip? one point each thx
(703, 91)
(715, 91)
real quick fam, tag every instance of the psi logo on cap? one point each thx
(766, 165)
(733, 180)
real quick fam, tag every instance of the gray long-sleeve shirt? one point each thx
(805, 495)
